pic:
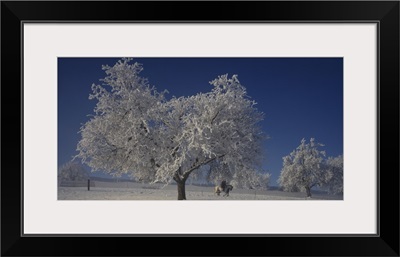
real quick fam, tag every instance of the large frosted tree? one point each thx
(303, 168)
(137, 131)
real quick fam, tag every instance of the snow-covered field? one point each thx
(138, 191)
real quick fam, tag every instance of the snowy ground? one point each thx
(138, 191)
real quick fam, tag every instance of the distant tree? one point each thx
(72, 171)
(261, 181)
(303, 168)
(334, 181)
(136, 130)
(244, 179)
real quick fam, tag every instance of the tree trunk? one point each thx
(308, 191)
(181, 190)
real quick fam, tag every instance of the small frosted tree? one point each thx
(257, 181)
(303, 168)
(137, 131)
(244, 179)
(72, 171)
(334, 183)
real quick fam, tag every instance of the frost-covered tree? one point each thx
(137, 131)
(334, 182)
(72, 171)
(243, 179)
(303, 168)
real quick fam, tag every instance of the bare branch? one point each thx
(187, 173)
(215, 116)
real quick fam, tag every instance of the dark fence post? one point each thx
(88, 184)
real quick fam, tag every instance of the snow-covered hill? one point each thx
(138, 191)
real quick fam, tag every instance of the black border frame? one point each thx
(385, 14)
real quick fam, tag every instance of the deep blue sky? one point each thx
(300, 97)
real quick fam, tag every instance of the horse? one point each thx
(218, 190)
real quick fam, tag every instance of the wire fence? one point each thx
(79, 183)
